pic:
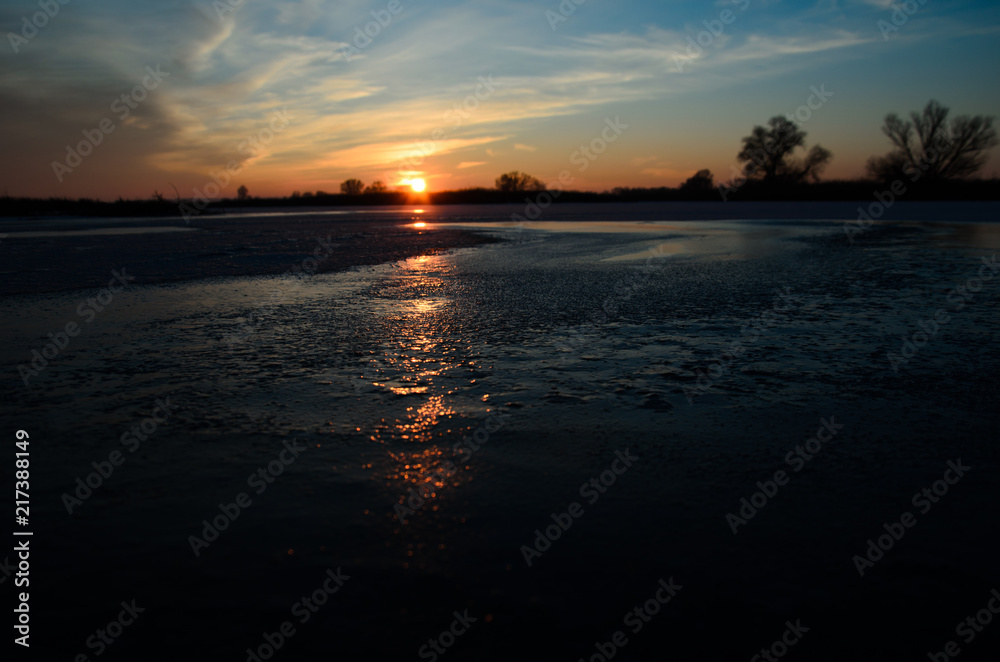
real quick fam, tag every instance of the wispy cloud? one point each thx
(420, 77)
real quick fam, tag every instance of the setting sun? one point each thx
(418, 185)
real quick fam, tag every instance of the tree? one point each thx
(376, 187)
(700, 181)
(940, 150)
(242, 193)
(352, 187)
(515, 181)
(768, 153)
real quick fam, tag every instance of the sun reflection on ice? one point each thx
(420, 362)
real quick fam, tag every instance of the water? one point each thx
(502, 379)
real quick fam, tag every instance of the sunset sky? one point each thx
(358, 107)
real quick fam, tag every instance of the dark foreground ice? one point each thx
(424, 426)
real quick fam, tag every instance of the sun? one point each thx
(418, 185)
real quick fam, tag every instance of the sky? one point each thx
(124, 98)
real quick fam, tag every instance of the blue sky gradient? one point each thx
(364, 112)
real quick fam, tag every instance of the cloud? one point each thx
(759, 47)
(424, 74)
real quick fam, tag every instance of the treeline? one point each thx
(31, 207)
(932, 158)
(831, 190)
(753, 190)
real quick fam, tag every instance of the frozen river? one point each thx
(423, 425)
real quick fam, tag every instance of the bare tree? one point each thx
(352, 187)
(767, 152)
(376, 187)
(242, 193)
(939, 149)
(518, 181)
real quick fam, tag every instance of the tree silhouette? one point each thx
(352, 187)
(700, 181)
(376, 187)
(941, 151)
(767, 152)
(515, 181)
(242, 193)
